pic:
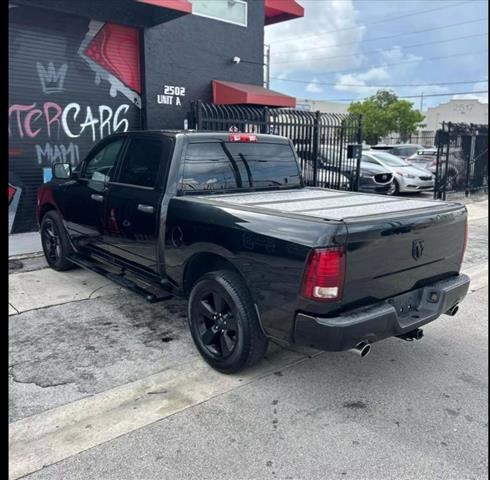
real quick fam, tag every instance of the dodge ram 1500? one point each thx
(226, 221)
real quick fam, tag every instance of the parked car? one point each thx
(326, 177)
(400, 150)
(225, 221)
(372, 179)
(407, 178)
(427, 158)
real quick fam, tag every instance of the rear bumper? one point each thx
(388, 318)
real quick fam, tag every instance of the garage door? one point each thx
(72, 81)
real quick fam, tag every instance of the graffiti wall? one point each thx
(72, 81)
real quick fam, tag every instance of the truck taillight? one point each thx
(323, 279)
(465, 242)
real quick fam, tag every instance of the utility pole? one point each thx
(267, 66)
(421, 101)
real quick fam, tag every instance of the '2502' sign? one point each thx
(171, 95)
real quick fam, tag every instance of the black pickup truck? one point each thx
(225, 221)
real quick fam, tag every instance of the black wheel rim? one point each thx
(216, 324)
(51, 241)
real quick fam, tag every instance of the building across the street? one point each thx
(323, 106)
(82, 69)
(456, 111)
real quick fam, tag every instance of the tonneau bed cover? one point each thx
(325, 204)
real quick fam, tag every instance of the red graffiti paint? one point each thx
(26, 124)
(12, 191)
(17, 109)
(116, 48)
(55, 118)
(36, 113)
(15, 152)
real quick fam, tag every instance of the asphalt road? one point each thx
(106, 386)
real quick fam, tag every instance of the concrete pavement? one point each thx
(24, 244)
(105, 385)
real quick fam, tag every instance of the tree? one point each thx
(384, 113)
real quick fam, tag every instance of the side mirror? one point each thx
(62, 170)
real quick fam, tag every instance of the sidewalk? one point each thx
(24, 244)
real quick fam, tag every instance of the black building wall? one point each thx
(190, 52)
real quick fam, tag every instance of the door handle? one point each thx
(146, 208)
(97, 198)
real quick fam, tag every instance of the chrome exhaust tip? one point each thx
(362, 349)
(453, 310)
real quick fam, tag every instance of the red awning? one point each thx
(232, 93)
(281, 10)
(179, 5)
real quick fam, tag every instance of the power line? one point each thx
(410, 61)
(377, 51)
(382, 38)
(381, 86)
(387, 19)
(416, 96)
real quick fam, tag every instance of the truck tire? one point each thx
(55, 242)
(224, 323)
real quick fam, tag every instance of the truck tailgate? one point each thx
(394, 255)
(394, 244)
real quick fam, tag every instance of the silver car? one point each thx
(406, 178)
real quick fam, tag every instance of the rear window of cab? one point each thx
(221, 166)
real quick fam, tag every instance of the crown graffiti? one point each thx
(51, 80)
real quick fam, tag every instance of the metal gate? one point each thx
(462, 159)
(323, 141)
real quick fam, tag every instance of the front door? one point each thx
(133, 201)
(84, 198)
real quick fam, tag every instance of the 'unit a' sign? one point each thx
(171, 95)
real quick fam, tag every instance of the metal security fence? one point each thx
(424, 138)
(462, 159)
(321, 140)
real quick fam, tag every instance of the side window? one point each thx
(101, 166)
(207, 167)
(142, 161)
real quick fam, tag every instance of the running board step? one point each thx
(120, 279)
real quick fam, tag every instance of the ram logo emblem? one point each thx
(417, 249)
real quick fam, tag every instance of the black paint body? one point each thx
(188, 235)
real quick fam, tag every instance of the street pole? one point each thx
(421, 101)
(267, 65)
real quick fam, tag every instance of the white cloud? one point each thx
(395, 67)
(294, 43)
(314, 87)
(281, 76)
(345, 82)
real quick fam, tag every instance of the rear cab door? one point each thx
(134, 200)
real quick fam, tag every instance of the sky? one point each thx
(338, 43)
